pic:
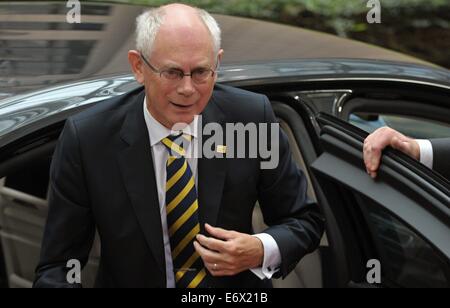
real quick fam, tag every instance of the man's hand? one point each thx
(228, 253)
(379, 140)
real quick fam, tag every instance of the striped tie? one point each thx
(182, 215)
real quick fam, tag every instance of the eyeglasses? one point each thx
(199, 75)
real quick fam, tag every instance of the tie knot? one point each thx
(176, 144)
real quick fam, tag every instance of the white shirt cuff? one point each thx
(272, 257)
(426, 152)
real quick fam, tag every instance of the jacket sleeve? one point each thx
(70, 228)
(441, 155)
(294, 221)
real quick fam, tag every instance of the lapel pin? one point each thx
(221, 149)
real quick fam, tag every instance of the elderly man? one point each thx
(432, 153)
(166, 219)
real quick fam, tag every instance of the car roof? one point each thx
(40, 48)
(24, 113)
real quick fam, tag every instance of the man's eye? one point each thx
(201, 73)
(172, 74)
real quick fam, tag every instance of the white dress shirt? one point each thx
(157, 132)
(426, 152)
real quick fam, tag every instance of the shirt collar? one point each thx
(158, 132)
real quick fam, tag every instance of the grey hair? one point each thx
(149, 22)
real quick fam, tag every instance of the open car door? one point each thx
(401, 219)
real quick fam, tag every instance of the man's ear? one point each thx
(220, 55)
(219, 60)
(134, 58)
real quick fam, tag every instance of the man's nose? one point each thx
(186, 86)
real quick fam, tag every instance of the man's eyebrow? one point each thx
(178, 67)
(202, 67)
(171, 67)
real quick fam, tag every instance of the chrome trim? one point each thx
(338, 104)
(339, 101)
(325, 91)
(377, 79)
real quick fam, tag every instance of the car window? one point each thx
(407, 260)
(32, 181)
(410, 126)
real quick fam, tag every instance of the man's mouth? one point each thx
(181, 106)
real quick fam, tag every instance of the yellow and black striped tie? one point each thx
(182, 215)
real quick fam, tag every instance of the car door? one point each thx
(400, 221)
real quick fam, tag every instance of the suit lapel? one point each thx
(136, 165)
(211, 172)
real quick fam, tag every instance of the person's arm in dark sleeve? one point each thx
(70, 229)
(441, 155)
(294, 221)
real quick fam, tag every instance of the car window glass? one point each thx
(407, 260)
(410, 126)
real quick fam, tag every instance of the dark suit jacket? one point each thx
(102, 177)
(441, 156)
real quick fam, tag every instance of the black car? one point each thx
(327, 107)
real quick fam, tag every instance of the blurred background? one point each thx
(420, 28)
(39, 48)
